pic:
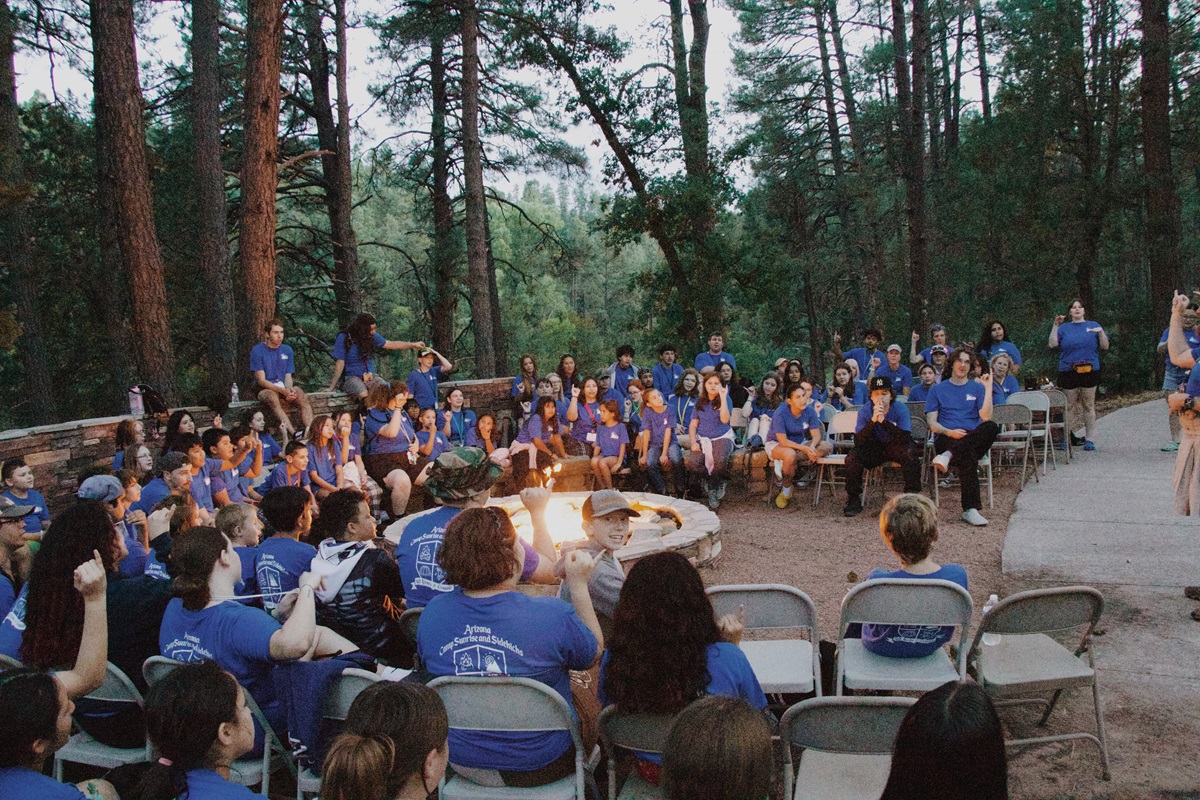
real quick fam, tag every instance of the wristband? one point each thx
(1189, 404)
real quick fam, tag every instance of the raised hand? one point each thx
(1180, 302)
(580, 566)
(1060, 319)
(732, 626)
(916, 337)
(90, 579)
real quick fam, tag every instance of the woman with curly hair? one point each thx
(130, 433)
(354, 356)
(568, 373)
(668, 649)
(994, 340)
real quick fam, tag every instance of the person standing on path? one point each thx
(1079, 341)
(1176, 378)
(1187, 476)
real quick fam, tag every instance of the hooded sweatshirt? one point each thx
(362, 598)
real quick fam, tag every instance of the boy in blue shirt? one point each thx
(292, 472)
(283, 558)
(882, 435)
(716, 355)
(273, 363)
(796, 437)
(18, 488)
(959, 411)
(666, 372)
(908, 523)
(423, 381)
(867, 357)
(900, 376)
(622, 370)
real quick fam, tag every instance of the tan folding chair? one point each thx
(504, 703)
(1040, 408)
(840, 428)
(1060, 409)
(908, 602)
(645, 733)
(336, 707)
(1027, 660)
(790, 666)
(847, 744)
(1016, 422)
(81, 748)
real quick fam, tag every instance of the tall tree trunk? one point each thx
(956, 92)
(843, 203)
(260, 177)
(918, 301)
(499, 336)
(210, 195)
(445, 253)
(1163, 222)
(985, 93)
(14, 235)
(118, 104)
(476, 225)
(108, 277)
(333, 137)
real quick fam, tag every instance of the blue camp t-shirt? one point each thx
(587, 420)
(249, 582)
(463, 421)
(237, 637)
(1193, 384)
(33, 521)
(957, 406)
(8, 593)
(729, 675)
(346, 350)
(281, 562)
(232, 479)
(19, 783)
(666, 377)
(911, 641)
(416, 556)
(851, 396)
(609, 439)
(276, 363)
(897, 414)
(324, 463)
(707, 359)
(12, 627)
(205, 784)
(920, 393)
(657, 423)
(797, 429)
(710, 424)
(622, 377)
(440, 443)
(1078, 342)
(153, 493)
(1001, 390)
(1007, 347)
(206, 483)
(279, 477)
(681, 409)
(532, 429)
(506, 634)
(860, 356)
(901, 377)
(423, 386)
(1177, 375)
(134, 563)
(377, 420)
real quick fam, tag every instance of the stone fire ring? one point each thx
(698, 538)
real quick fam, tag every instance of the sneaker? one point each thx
(1192, 592)
(755, 442)
(1076, 441)
(1089, 445)
(721, 491)
(782, 500)
(853, 507)
(1060, 445)
(972, 517)
(942, 462)
(1170, 448)
(714, 502)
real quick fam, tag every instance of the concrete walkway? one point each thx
(1105, 520)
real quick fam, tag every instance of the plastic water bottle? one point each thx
(990, 639)
(136, 408)
(233, 394)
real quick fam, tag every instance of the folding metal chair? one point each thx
(1027, 660)
(336, 707)
(916, 408)
(8, 662)
(984, 464)
(781, 665)
(245, 771)
(841, 426)
(1059, 406)
(911, 603)
(646, 733)
(81, 748)
(1041, 409)
(847, 743)
(1016, 421)
(504, 703)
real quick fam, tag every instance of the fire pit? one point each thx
(663, 523)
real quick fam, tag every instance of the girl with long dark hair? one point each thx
(711, 438)
(354, 356)
(584, 415)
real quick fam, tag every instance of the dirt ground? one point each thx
(823, 554)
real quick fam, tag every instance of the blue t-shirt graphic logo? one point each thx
(480, 660)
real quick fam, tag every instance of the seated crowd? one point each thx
(260, 563)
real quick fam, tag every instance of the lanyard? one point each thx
(462, 423)
(682, 412)
(588, 409)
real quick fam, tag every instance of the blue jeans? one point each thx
(654, 469)
(678, 470)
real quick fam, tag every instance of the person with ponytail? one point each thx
(199, 722)
(202, 622)
(393, 746)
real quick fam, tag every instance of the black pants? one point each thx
(964, 458)
(899, 448)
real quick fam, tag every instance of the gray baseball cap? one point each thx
(604, 502)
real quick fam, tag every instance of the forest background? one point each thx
(874, 164)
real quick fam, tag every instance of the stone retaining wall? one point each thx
(60, 453)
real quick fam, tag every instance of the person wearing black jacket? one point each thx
(883, 434)
(362, 596)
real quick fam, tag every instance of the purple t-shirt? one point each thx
(346, 350)
(911, 641)
(587, 421)
(658, 423)
(796, 429)
(610, 438)
(275, 362)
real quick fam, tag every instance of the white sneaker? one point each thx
(972, 517)
(942, 462)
